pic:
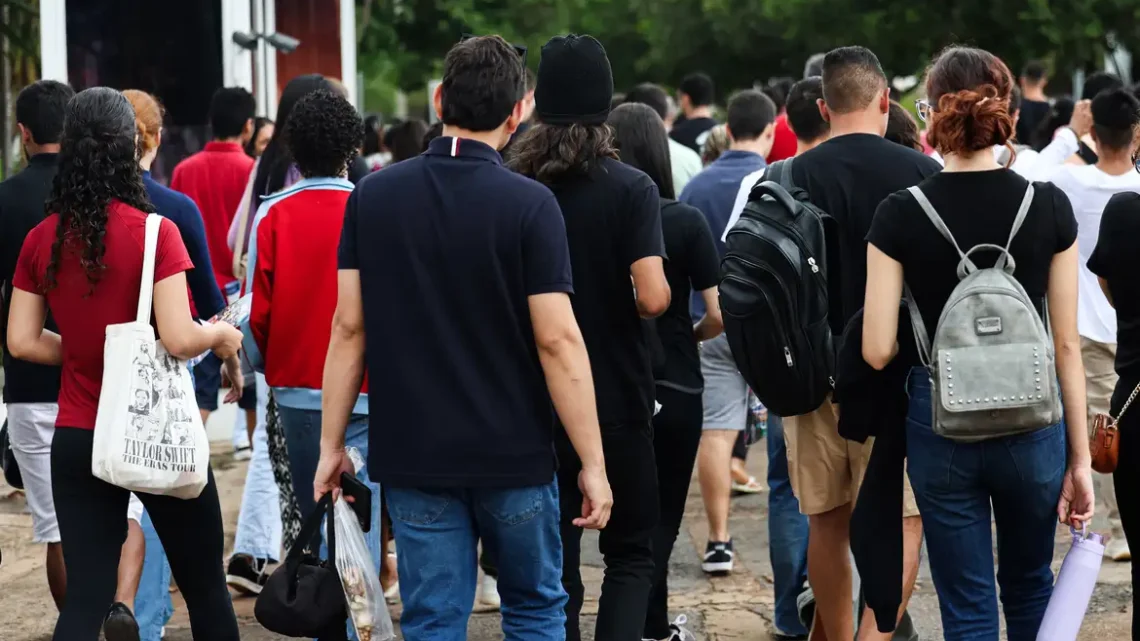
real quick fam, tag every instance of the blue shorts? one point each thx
(207, 382)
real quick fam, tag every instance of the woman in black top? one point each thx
(1116, 261)
(640, 137)
(1029, 479)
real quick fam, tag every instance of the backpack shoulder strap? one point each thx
(1018, 220)
(918, 326)
(786, 180)
(940, 225)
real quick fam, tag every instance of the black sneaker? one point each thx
(120, 624)
(718, 557)
(246, 574)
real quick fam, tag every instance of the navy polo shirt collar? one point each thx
(463, 148)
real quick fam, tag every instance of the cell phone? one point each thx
(361, 499)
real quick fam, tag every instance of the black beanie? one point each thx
(575, 82)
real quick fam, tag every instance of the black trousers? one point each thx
(625, 543)
(676, 437)
(1126, 480)
(93, 525)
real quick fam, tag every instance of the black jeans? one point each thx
(740, 447)
(676, 437)
(93, 525)
(625, 543)
(1126, 479)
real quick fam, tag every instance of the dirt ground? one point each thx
(723, 608)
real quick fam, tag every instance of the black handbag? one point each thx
(304, 597)
(8, 463)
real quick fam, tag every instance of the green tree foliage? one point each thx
(741, 41)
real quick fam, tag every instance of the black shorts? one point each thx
(248, 400)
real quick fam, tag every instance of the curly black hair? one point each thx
(548, 152)
(323, 134)
(98, 163)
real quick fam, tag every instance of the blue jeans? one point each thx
(153, 606)
(303, 440)
(259, 521)
(787, 533)
(955, 485)
(437, 532)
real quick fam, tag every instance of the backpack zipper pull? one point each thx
(788, 356)
(814, 267)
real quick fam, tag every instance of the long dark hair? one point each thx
(548, 152)
(642, 142)
(98, 163)
(275, 161)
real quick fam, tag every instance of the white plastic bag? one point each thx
(363, 595)
(149, 435)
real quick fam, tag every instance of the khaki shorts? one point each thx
(825, 468)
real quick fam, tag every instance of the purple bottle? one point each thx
(1074, 588)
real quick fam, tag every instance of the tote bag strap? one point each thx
(146, 287)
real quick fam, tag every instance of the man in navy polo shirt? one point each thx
(455, 275)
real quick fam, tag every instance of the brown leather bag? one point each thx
(1105, 443)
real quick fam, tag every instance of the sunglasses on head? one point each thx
(519, 49)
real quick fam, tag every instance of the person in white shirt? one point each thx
(684, 162)
(1116, 117)
(1028, 162)
(805, 122)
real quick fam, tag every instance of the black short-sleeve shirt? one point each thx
(693, 266)
(613, 219)
(847, 177)
(1116, 259)
(978, 207)
(22, 199)
(449, 246)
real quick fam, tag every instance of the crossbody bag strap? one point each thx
(146, 287)
(243, 218)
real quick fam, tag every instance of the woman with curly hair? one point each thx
(83, 264)
(613, 225)
(1024, 482)
(293, 278)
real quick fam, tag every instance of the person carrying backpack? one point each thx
(990, 262)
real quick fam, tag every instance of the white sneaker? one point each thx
(243, 453)
(1117, 550)
(680, 632)
(487, 595)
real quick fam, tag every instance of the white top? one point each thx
(1089, 190)
(742, 192)
(685, 164)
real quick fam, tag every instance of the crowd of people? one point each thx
(514, 317)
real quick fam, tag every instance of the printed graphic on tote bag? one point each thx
(159, 435)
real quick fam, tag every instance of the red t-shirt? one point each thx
(82, 313)
(785, 144)
(215, 179)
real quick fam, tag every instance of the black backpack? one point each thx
(774, 296)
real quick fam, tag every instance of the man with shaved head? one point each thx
(847, 176)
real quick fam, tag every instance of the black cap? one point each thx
(575, 82)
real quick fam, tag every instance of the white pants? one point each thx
(31, 427)
(259, 521)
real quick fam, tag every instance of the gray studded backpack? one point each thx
(991, 360)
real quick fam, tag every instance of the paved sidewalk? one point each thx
(728, 608)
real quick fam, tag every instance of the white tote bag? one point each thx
(149, 435)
